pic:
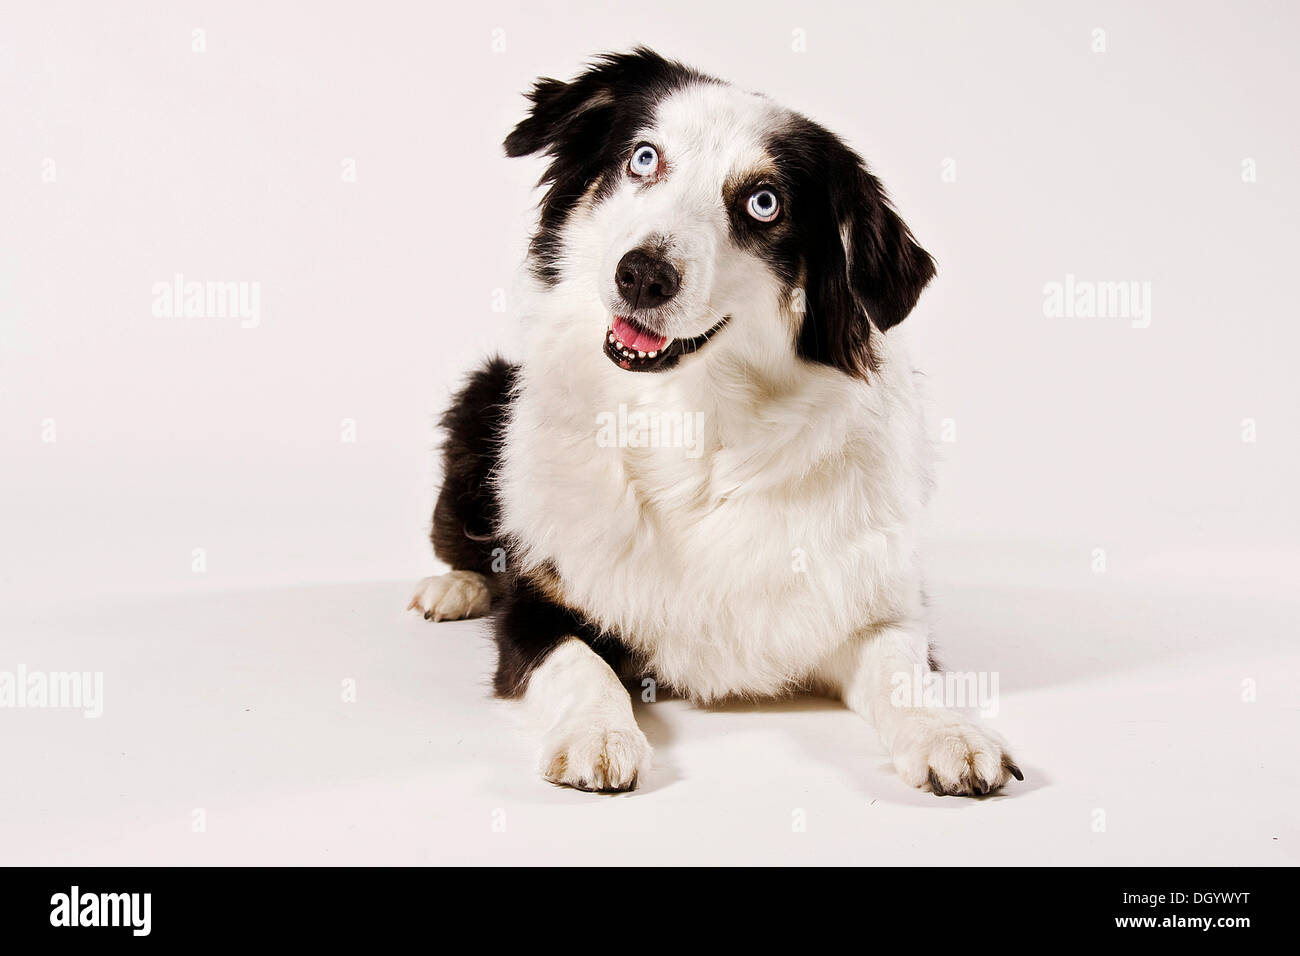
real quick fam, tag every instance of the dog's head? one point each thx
(687, 206)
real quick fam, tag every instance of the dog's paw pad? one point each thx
(951, 755)
(597, 759)
(451, 596)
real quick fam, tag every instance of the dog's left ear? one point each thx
(867, 272)
(887, 268)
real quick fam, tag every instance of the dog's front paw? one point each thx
(451, 596)
(951, 755)
(595, 758)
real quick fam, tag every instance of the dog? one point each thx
(707, 264)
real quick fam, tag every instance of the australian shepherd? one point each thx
(708, 467)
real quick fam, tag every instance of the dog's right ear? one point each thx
(582, 112)
(559, 112)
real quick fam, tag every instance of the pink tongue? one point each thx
(635, 338)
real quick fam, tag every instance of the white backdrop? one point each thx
(347, 160)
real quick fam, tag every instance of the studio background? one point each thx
(227, 521)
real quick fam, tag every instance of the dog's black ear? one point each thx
(864, 269)
(580, 113)
(558, 112)
(887, 267)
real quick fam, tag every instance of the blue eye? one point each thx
(644, 161)
(763, 205)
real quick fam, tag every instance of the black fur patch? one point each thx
(465, 517)
(586, 126)
(831, 196)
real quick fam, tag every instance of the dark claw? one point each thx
(1012, 769)
(936, 787)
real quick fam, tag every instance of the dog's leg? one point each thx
(590, 738)
(932, 748)
(465, 517)
(545, 656)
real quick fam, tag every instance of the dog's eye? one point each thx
(763, 205)
(644, 161)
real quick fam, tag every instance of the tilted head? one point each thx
(693, 210)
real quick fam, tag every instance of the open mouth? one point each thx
(635, 348)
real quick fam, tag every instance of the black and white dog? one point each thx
(709, 465)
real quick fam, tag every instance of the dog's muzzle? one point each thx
(646, 280)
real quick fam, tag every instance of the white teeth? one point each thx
(626, 351)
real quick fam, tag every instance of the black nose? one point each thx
(646, 280)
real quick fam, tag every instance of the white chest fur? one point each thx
(764, 525)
